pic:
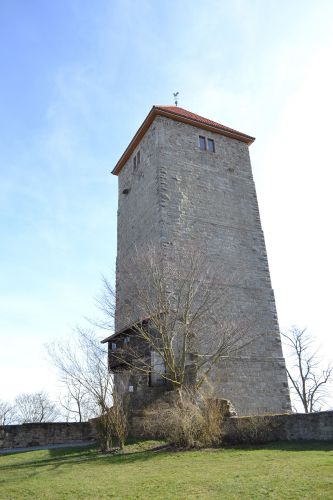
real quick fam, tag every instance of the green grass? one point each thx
(279, 470)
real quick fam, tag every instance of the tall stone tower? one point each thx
(186, 180)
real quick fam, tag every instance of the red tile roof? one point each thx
(198, 118)
(182, 115)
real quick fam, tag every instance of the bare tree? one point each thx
(82, 364)
(174, 305)
(35, 407)
(77, 403)
(308, 380)
(7, 413)
(118, 417)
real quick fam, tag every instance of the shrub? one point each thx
(113, 424)
(186, 422)
(103, 426)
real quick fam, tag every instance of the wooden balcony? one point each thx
(119, 359)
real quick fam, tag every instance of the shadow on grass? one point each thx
(60, 457)
(73, 456)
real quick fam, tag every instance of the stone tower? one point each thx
(186, 180)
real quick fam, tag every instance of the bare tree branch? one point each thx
(82, 366)
(172, 304)
(7, 413)
(76, 401)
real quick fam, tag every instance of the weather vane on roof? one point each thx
(175, 96)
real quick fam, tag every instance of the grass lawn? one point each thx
(279, 470)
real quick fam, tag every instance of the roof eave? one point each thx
(114, 335)
(156, 111)
(136, 139)
(128, 328)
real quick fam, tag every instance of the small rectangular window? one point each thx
(113, 346)
(138, 158)
(202, 143)
(211, 145)
(134, 162)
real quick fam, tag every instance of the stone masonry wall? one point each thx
(43, 434)
(182, 198)
(138, 218)
(292, 427)
(212, 204)
(262, 428)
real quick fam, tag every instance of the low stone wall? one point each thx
(308, 426)
(43, 434)
(262, 428)
(288, 427)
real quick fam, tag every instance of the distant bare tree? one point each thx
(7, 413)
(35, 407)
(308, 380)
(182, 304)
(82, 364)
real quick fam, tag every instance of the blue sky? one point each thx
(77, 79)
